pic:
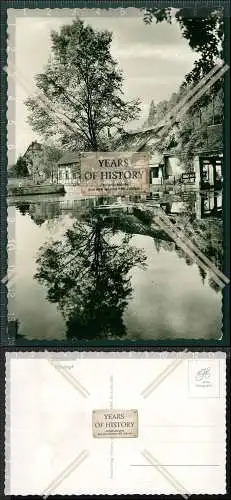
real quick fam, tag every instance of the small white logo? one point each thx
(204, 378)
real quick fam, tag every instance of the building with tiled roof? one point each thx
(69, 168)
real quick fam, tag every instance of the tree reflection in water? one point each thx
(88, 272)
(87, 275)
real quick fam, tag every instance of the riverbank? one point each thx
(34, 189)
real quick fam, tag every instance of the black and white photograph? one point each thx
(135, 254)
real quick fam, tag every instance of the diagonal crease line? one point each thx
(195, 98)
(203, 90)
(167, 225)
(9, 277)
(72, 380)
(183, 236)
(162, 376)
(184, 109)
(66, 472)
(191, 93)
(170, 478)
(15, 72)
(189, 252)
(45, 102)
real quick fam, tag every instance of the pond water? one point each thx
(116, 276)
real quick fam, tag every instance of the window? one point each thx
(218, 169)
(205, 171)
(155, 172)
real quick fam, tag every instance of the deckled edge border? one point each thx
(104, 11)
(3, 177)
(11, 146)
(7, 450)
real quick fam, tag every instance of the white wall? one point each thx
(174, 167)
(196, 168)
(62, 175)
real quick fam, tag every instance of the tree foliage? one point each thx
(43, 163)
(21, 169)
(202, 27)
(82, 82)
(191, 131)
(87, 275)
(151, 115)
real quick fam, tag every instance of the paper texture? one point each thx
(181, 405)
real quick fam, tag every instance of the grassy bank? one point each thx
(16, 190)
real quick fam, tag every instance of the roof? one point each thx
(69, 157)
(34, 146)
(209, 152)
(135, 141)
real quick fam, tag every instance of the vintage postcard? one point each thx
(117, 178)
(133, 423)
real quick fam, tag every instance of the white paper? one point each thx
(181, 404)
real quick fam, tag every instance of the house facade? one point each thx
(208, 167)
(171, 167)
(204, 173)
(68, 171)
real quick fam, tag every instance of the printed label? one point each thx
(115, 423)
(114, 173)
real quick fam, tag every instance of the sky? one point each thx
(154, 59)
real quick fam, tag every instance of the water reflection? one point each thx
(86, 274)
(199, 205)
(89, 271)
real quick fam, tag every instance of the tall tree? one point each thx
(21, 167)
(151, 114)
(83, 82)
